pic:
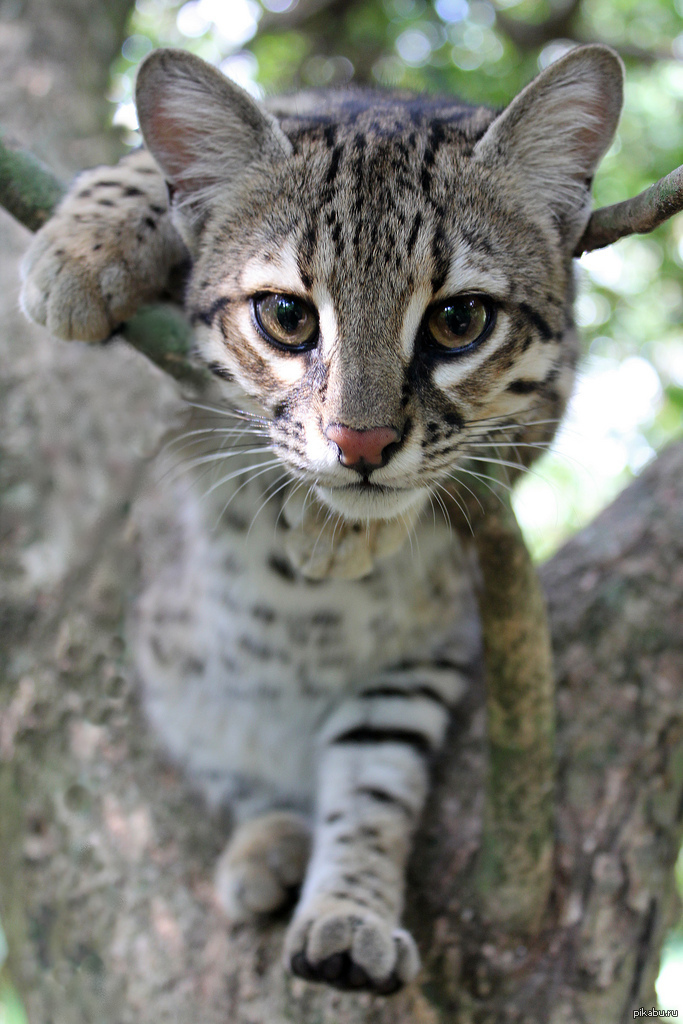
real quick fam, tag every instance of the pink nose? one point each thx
(359, 447)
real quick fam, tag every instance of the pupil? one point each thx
(457, 319)
(289, 315)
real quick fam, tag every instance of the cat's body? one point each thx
(382, 286)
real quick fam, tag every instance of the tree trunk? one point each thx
(106, 855)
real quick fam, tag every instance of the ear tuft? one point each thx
(203, 130)
(552, 136)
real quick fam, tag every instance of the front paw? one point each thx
(67, 289)
(349, 947)
(109, 248)
(263, 865)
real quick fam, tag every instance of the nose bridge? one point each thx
(365, 379)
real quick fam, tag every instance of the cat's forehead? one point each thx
(380, 198)
(388, 145)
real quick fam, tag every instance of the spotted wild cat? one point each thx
(382, 285)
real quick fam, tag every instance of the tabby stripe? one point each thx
(382, 796)
(366, 735)
(334, 164)
(537, 320)
(208, 315)
(523, 387)
(397, 691)
(414, 233)
(441, 259)
(220, 371)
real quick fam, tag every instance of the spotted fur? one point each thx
(315, 707)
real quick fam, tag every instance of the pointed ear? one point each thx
(202, 129)
(552, 136)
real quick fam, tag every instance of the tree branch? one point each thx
(28, 189)
(560, 24)
(528, 35)
(637, 216)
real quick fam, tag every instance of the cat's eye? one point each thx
(458, 324)
(286, 321)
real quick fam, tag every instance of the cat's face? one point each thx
(389, 285)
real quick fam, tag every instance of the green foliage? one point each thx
(11, 1008)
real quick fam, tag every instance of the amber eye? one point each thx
(286, 321)
(458, 324)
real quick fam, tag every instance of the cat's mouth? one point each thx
(367, 500)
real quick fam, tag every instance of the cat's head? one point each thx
(387, 279)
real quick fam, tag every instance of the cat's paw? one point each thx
(109, 248)
(349, 947)
(263, 865)
(67, 291)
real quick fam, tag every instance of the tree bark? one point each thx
(106, 855)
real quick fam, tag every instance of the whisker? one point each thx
(444, 506)
(498, 462)
(543, 447)
(474, 495)
(461, 507)
(203, 460)
(329, 515)
(221, 431)
(240, 472)
(406, 524)
(298, 485)
(483, 478)
(430, 495)
(278, 487)
(261, 470)
(235, 414)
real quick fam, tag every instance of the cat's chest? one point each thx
(242, 659)
(320, 635)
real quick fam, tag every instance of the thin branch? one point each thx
(639, 215)
(298, 15)
(516, 856)
(560, 24)
(28, 189)
(532, 35)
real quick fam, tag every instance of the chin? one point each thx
(370, 501)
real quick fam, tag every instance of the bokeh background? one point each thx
(629, 398)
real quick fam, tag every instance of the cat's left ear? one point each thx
(550, 139)
(205, 132)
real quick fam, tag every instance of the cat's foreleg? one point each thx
(109, 248)
(374, 778)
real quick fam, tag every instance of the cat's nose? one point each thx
(362, 449)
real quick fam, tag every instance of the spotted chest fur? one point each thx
(382, 287)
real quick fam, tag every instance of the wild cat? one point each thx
(382, 285)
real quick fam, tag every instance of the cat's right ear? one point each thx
(204, 131)
(548, 142)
